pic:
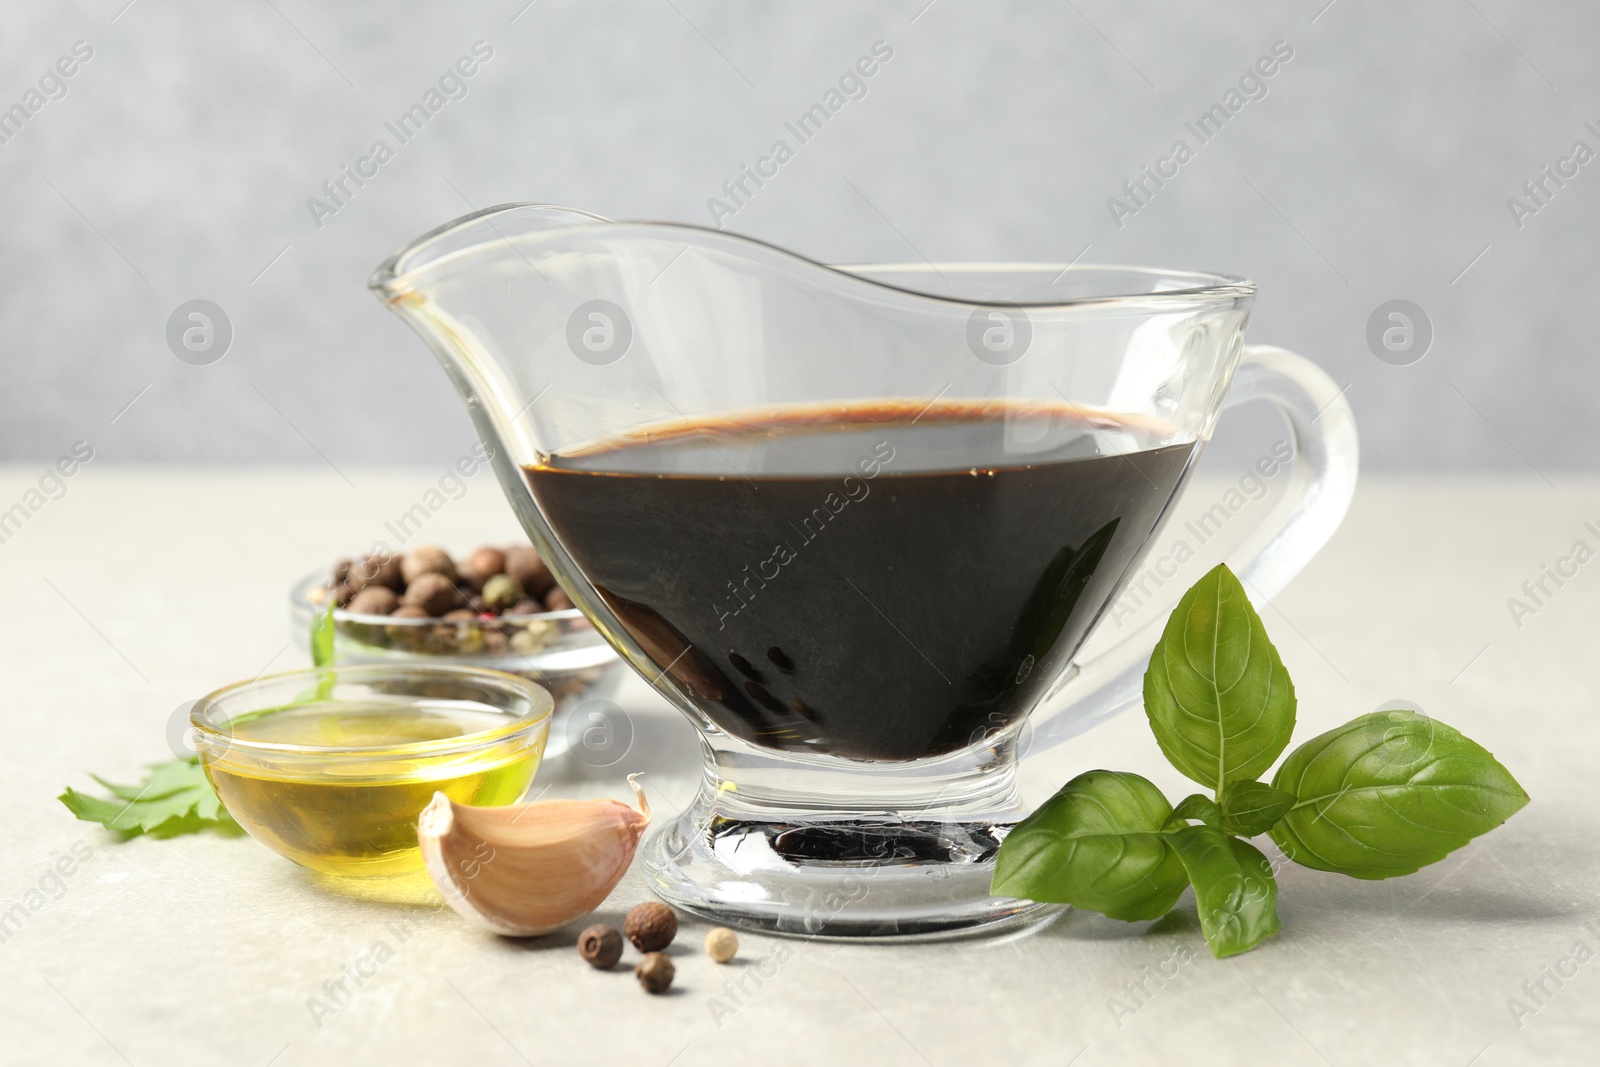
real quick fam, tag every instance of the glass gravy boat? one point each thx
(855, 522)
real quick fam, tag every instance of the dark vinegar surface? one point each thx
(870, 583)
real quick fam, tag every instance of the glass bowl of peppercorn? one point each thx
(497, 607)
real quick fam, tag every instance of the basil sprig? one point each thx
(1383, 795)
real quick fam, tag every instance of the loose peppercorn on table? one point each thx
(211, 949)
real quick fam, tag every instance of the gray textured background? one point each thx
(1377, 167)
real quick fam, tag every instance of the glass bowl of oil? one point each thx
(331, 766)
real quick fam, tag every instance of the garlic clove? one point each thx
(527, 869)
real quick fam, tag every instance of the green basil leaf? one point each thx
(1195, 806)
(1234, 890)
(1389, 793)
(1251, 808)
(1096, 845)
(1219, 699)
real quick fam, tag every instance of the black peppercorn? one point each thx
(651, 926)
(655, 973)
(600, 946)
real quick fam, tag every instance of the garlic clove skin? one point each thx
(528, 869)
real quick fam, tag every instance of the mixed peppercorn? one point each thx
(484, 604)
(427, 583)
(651, 926)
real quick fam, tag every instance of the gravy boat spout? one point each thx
(857, 523)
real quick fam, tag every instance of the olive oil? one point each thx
(347, 802)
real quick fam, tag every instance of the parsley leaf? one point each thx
(174, 798)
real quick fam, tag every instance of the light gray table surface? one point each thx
(142, 588)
